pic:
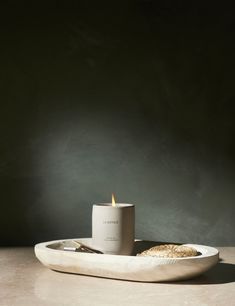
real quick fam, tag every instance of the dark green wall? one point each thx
(136, 99)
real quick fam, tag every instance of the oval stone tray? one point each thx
(134, 268)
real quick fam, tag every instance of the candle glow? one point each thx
(113, 200)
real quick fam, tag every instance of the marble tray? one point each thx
(134, 268)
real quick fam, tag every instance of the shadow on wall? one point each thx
(17, 196)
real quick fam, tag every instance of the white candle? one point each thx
(113, 227)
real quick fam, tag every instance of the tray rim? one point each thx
(212, 250)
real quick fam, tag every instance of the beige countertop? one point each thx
(25, 281)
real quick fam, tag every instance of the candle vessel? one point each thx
(113, 228)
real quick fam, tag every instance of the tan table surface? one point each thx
(25, 281)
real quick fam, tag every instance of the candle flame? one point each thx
(113, 200)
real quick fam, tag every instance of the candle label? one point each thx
(111, 239)
(110, 222)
